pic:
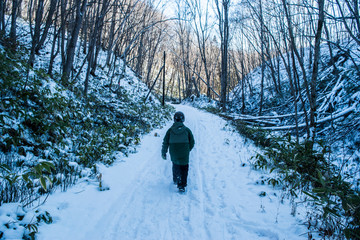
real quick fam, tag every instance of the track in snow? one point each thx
(222, 200)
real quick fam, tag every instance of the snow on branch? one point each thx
(264, 120)
(326, 119)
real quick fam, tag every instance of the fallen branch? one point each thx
(248, 117)
(252, 120)
(326, 119)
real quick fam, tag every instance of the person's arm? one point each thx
(165, 144)
(191, 140)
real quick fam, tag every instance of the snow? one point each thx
(8, 213)
(137, 200)
(222, 201)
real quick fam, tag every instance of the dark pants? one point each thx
(180, 173)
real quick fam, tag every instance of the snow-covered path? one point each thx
(222, 200)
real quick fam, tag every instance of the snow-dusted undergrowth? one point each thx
(225, 198)
(52, 136)
(330, 175)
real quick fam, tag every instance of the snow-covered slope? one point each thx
(337, 138)
(336, 84)
(52, 135)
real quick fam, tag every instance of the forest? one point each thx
(284, 72)
(210, 47)
(206, 48)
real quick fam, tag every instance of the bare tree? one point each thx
(120, 24)
(95, 39)
(49, 21)
(71, 45)
(350, 18)
(262, 54)
(35, 31)
(202, 28)
(14, 14)
(153, 41)
(183, 49)
(314, 76)
(2, 17)
(295, 52)
(223, 19)
(55, 45)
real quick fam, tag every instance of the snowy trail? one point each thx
(222, 200)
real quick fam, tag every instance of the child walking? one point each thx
(180, 140)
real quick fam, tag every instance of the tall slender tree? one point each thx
(2, 17)
(71, 45)
(315, 70)
(222, 9)
(14, 14)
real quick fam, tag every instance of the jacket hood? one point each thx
(178, 128)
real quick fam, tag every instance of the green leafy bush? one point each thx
(258, 135)
(302, 169)
(46, 128)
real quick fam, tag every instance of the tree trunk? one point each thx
(295, 52)
(315, 71)
(48, 23)
(14, 13)
(354, 10)
(36, 32)
(262, 42)
(2, 17)
(70, 50)
(54, 53)
(223, 16)
(95, 42)
(62, 30)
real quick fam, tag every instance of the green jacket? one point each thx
(180, 141)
